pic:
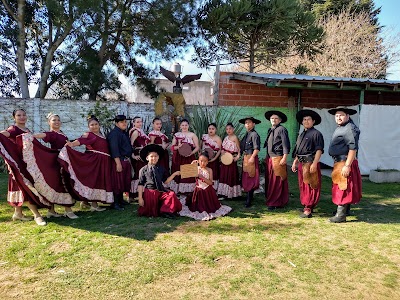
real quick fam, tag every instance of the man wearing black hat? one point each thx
(346, 177)
(121, 151)
(306, 154)
(250, 146)
(278, 148)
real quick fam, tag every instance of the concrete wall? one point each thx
(72, 112)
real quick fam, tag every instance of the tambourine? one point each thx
(185, 150)
(227, 158)
(210, 153)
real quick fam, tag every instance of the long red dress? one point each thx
(208, 142)
(141, 141)
(203, 203)
(229, 180)
(90, 172)
(42, 163)
(159, 139)
(179, 185)
(20, 183)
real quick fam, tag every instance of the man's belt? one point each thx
(338, 158)
(305, 158)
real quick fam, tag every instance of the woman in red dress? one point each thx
(203, 203)
(139, 139)
(229, 180)
(186, 185)
(20, 187)
(159, 138)
(212, 141)
(90, 174)
(42, 164)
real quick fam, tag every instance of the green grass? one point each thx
(250, 254)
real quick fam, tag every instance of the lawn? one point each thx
(250, 254)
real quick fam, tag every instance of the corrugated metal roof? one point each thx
(267, 77)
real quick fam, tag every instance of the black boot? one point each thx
(348, 213)
(116, 205)
(340, 216)
(249, 198)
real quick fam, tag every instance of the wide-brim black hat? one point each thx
(254, 120)
(346, 110)
(119, 118)
(151, 148)
(280, 114)
(308, 113)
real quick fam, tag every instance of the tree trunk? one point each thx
(21, 49)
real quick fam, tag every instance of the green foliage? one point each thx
(254, 31)
(201, 116)
(326, 7)
(81, 46)
(3, 166)
(104, 115)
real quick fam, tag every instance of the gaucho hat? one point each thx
(151, 148)
(255, 121)
(308, 113)
(348, 111)
(280, 114)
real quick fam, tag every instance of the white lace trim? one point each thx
(39, 182)
(229, 191)
(182, 187)
(15, 197)
(202, 216)
(134, 186)
(83, 190)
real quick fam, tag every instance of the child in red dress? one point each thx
(203, 203)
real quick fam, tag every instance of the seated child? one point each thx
(154, 199)
(203, 203)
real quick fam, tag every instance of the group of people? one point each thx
(346, 177)
(137, 164)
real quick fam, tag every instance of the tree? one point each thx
(324, 8)
(255, 31)
(352, 48)
(80, 46)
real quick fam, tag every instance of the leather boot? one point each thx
(340, 216)
(116, 205)
(348, 213)
(249, 198)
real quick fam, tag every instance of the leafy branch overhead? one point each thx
(256, 31)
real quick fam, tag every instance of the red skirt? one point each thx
(215, 167)
(309, 197)
(251, 183)
(89, 174)
(164, 161)
(179, 185)
(42, 164)
(156, 203)
(203, 200)
(276, 189)
(353, 193)
(20, 182)
(121, 181)
(136, 166)
(229, 181)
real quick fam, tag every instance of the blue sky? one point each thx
(389, 17)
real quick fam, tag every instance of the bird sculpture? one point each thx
(178, 80)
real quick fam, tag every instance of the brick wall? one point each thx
(240, 93)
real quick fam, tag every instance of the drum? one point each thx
(227, 158)
(185, 150)
(210, 152)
